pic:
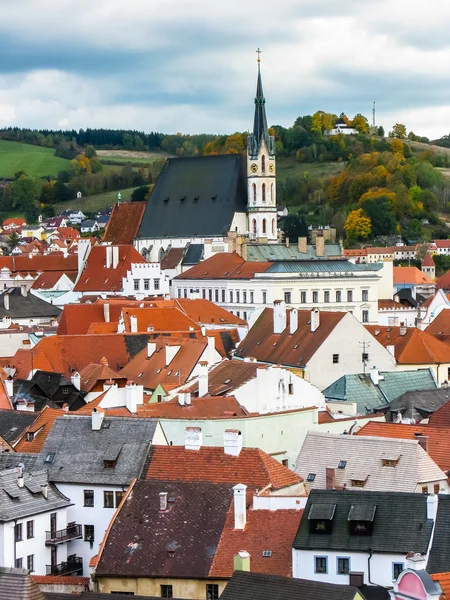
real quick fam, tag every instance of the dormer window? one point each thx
(360, 518)
(321, 518)
(109, 464)
(30, 436)
(389, 462)
(311, 477)
(358, 483)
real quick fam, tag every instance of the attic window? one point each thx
(358, 482)
(342, 464)
(214, 198)
(140, 375)
(227, 381)
(169, 372)
(105, 425)
(183, 198)
(258, 343)
(296, 346)
(30, 436)
(267, 553)
(311, 477)
(390, 462)
(109, 464)
(158, 371)
(50, 458)
(171, 499)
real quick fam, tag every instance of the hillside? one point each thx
(35, 160)
(97, 202)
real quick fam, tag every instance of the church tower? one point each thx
(262, 205)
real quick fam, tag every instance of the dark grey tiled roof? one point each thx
(26, 307)
(9, 460)
(389, 534)
(439, 559)
(17, 584)
(20, 502)
(195, 197)
(258, 586)
(14, 422)
(419, 404)
(80, 452)
(193, 255)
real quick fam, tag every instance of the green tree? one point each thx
(139, 194)
(381, 215)
(13, 240)
(380, 131)
(90, 151)
(399, 131)
(294, 227)
(25, 193)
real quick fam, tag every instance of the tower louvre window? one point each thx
(264, 192)
(263, 164)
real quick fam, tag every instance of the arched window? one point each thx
(264, 192)
(254, 193)
(254, 225)
(263, 164)
(271, 193)
(264, 226)
(273, 226)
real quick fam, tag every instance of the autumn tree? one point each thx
(360, 123)
(398, 131)
(397, 146)
(358, 225)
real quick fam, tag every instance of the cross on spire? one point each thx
(258, 52)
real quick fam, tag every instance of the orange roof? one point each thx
(411, 275)
(38, 430)
(444, 581)
(14, 221)
(441, 417)
(265, 530)
(440, 326)
(77, 318)
(253, 467)
(44, 262)
(356, 252)
(124, 222)
(68, 233)
(158, 319)
(172, 259)
(443, 282)
(205, 312)
(442, 243)
(61, 580)
(391, 305)
(5, 402)
(96, 277)
(428, 261)
(438, 438)
(95, 372)
(415, 347)
(47, 281)
(24, 362)
(225, 265)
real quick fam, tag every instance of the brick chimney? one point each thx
(320, 245)
(303, 245)
(330, 478)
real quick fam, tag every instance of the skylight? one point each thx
(311, 477)
(267, 553)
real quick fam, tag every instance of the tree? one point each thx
(397, 146)
(25, 193)
(360, 123)
(13, 240)
(294, 227)
(399, 131)
(357, 225)
(90, 151)
(48, 211)
(139, 194)
(380, 131)
(381, 215)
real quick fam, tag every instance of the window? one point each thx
(212, 591)
(311, 477)
(285, 462)
(244, 315)
(254, 202)
(244, 297)
(436, 488)
(210, 295)
(263, 164)
(50, 457)
(254, 220)
(156, 284)
(184, 293)
(252, 297)
(18, 532)
(65, 391)
(166, 591)
(326, 296)
(365, 295)
(264, 298)
(88, 533)
(349, 295)
(303, 297)
(231, 296)
(365, 357)
(30, 529)
(264, 225)
(264, 201)
(287, 297)
(30, 437)
(335, 359)
(320, 564)
(238, 313)
(290, 389)
(146, 284)
(315, 297)
(119, 496)
(136, 285)
(358, 482)
(238, 297)
(19, 563)
(343, 566)
(397, 568)
(179, 293)
(338, 296)
(30, 562)
(342, 464)
(216, 295)
(89, 498)
(108, 499)
(223, 295)
(365, 316)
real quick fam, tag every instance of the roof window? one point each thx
(267, 553)
(166, 199)
(50, 458)
(342, 464)
(227, 381)
(311, 477)
(196, 198)
(183, 198)
(30, 436)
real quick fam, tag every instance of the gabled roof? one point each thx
(252, 467)
(393, 510)
(165, 318)
(442, 243)
(206, 312)
(76, 319)
(95, 372)
(295, 350)
(438, 442)
(124, 223)
(444, 582)
(124, 440)
(226, 377)
(14, 422)
(47, 281)
(443, 281)
(96, 277)
(440, 326)
(195, 197)
(428, 260)
(364, 462)
(411, 275)
(420, 404)
(29, 306)
(17, 583)
(172, 259)
(194, 254)
(441, 418)
(225, 265)
(35, 435)
(411, 345)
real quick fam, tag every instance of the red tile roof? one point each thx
(95, 372)
(76, 319)
(414, 347)
(124, 222)
(45, 262)
(443, 282)
(40, 428)
(356, 252)
(96, 277)
(391, 305)
(438, 438)
(411, 275)
(173, 258)
(24, 362)
(442, 243)
(440, 326)
(428, 260)
(159, 319)
(441, 418)
(227, 376)
(61, 580)
(14, 221)
(68, 233)
(443, 578)
(205, 312)
(226, 265)
(252, 467)
(47, 281)
(286, 349)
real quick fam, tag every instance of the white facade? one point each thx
(146, 279)
(262, 204)
(393, 317)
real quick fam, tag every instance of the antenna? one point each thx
(373, 115)
(364, 346)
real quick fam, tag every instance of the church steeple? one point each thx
(260, 129)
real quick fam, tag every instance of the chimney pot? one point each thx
(97, 419)
(20, 481)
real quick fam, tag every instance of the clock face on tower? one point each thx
(254, 168)
(271, 167)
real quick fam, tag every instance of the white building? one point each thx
(341, 128)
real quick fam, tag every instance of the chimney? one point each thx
(97, 419)
(375, 375)
(303, 245)
(423, 441)
(416, 561)
(181, 398)
(162, 500)
(240, 506)
(108, 256)
(330, 478)
(391, 349)
(115, 256)
(203, 378)
(241, 561)
(293, 321)
(6, 300)
(24, 290)
(65, 407)
(133, 324)
(403, 329)
(171, 352)
(187, 398)
(287, 242)
(232, 442)
(315, 319)
(9, 385)
(20, 481)
(131, 397)
(211, 349)
(106, 314)
(75, 378)
(320, 245)
(151, 349)
(44, 490)
(192, 438)
(279, 316)
(432, 505)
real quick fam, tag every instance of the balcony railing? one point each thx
(72, 532)
(73, 566)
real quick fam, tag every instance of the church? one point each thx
(213, 204)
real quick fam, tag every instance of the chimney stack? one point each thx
(416, 561)
(241, 561)
(330, 478)
(115, 256)
(106, 313)
(320, 245)
(24, 290)
(232, 442)
(432, 506)
(375, 376)
(133, 324)
(108, 257)
(20, 480)
(279, 316)
(287, 242)
(187, 398)
(9, 385)
(44, 487)
(181, 398)
(203, 378)
(97, 419)
(131, 397)
(6, 300)
(192, 438)
(315, 319)
(75, 378)
(403, 329)
(303, 245)
(162, 500)
(211, 349)
(293, 321)
(240, 506)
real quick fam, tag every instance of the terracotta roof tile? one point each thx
(47, 281)
(39, 430)
(440, 326)
(14, 221)
(173, 258)
(411, 275)
(252, 467)
(414, 347)
(443, 578)
(200, 408)
(443, 282)
(441, 418)
(227, 376)
(428, 260)
(68, 233)
(95, 372)
(225, 265)
(158, 319)
(442, 243)
(124, 222)
(390, 305)
(60, 580)
(205, 312)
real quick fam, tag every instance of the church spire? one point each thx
(260, 129)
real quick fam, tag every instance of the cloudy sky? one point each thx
(190, 65)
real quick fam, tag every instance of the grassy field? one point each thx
(289, 167)
(96, 202)
(34, 160)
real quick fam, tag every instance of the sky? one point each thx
(190, 65)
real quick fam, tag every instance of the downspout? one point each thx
(15, 544)
(368, 572)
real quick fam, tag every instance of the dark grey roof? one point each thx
(80, 451)
(88, 223)
(389, 534)
(260, 129)
(14, 422)
(419, 404)
(439, 559)
(26, 307)
(374, 592)
(9, 460)
(258, 586)
(46, 388)
(193, 255)
(195, 197)
(20, 502)
(17, 584)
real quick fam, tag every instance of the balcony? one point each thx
(72, 532)
(73, 566)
